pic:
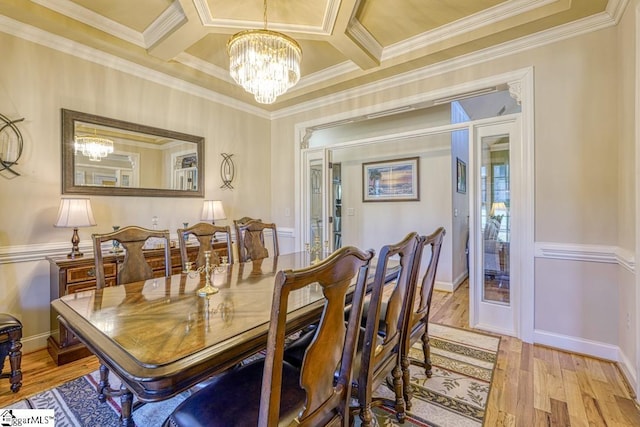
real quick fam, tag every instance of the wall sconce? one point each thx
(227, 170)
(74, 213)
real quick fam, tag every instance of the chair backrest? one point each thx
(419, 315)
(333, 346)
(250, 238)
(381, 353)
(206, 235)
(134, 267)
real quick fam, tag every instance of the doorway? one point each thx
(392, 135)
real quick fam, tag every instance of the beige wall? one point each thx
(576, 160)
(628, 92)
(584, 142)
(35, 83)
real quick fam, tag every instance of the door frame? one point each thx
(521, 88)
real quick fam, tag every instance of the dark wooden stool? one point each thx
(10, 336)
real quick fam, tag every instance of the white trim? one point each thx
(363, 37)
(577, 345)
(444, 286)
(171, 18)
(627, 368)
(585, 252)
(485, 18)
(35, 342)
(36, 35)
(93, 19)
(68, 8)
(543, 38)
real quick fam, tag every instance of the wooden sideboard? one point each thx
(75, 275)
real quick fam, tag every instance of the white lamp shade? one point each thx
(212, 210)
(75, 213)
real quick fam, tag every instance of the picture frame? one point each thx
(395, 180)
(461, 176)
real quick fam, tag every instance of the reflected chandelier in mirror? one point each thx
(103, 156)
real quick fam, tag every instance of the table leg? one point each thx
(126, 398)
(103, 386)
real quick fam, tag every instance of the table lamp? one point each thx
(212, 210)
(74, 213)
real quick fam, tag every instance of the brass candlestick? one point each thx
(317, 249)
(207, 269)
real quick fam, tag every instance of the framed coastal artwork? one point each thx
(391, 180)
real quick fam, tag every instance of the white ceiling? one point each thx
(345, 43)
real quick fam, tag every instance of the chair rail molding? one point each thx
(586, 252)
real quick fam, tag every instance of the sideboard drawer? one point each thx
(88, 272)
(87, 286)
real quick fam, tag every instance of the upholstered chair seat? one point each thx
(235, 399)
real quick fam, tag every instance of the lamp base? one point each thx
(75, 253)
(75, 240)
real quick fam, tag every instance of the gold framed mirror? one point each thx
(109, 157)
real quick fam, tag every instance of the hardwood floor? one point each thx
(532, 385)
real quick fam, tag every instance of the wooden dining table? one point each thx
(161, 338)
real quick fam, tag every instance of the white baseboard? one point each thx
(443, 286)
(628, 370)
(34, 342)
(577, 345)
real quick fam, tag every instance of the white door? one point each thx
(315, 218)
(496, 206)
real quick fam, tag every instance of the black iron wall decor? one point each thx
(227, 171)
(10, 144)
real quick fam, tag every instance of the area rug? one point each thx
(456, 394)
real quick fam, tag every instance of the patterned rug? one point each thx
(456, 394)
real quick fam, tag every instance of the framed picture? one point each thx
(461, 176)
(391, 180)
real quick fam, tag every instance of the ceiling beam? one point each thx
(352, 39)
(180, 34)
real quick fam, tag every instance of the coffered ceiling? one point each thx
(345, 43)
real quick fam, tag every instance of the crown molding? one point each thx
(171, 18)
(615, 9)
(363, 37)
(89, 17)
(52, 41)
(471, 23)
(203, 66)
(328, 21)
(577, 28)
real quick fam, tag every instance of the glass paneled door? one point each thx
(493, 289)
(316, 207)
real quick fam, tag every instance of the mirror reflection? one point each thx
(106, 156)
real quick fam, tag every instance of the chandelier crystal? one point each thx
(93, 147)
(265, 63)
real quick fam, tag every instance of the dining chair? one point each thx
(205, 233)
(135, 267)
(417, 320)
(11, 346)
(382, 339)
(251, 242)
(270, 392)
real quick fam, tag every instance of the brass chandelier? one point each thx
(265, 63)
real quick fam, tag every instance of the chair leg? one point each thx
(426, 348)
(406, 381)
(15, 359)
(366, 415)
(398, 389)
